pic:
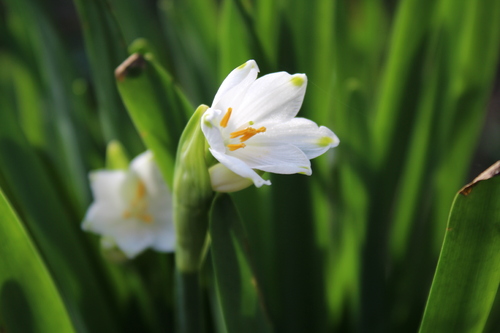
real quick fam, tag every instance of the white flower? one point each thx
(132, 207)
(251, 125)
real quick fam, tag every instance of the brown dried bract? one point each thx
(491, 172)
(135, 61)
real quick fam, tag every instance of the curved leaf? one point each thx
(242, 302)
(29, 299)
(468, 272)
(157, 107)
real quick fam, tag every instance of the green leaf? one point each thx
(472, 64)
(192, 33)
(468, 271)
(234, 48)
(157, 107)
(393, 118)
(237, 286)
(53, 77)
(106, 49)
(29, 299)
(55, 231)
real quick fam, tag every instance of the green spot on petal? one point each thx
(242, 66)
(207, 123)
(297, 81)
(304, 167)
(325, 141)
(251, 123)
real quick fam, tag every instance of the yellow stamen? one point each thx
(139, 206)
(140, 192)
(236, 146)
(225, 119)
(246, 133)
(147, 218)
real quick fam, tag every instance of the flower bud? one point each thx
(224, 180)
(192, 195)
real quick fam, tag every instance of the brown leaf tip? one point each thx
(491, 172)
(130, 67)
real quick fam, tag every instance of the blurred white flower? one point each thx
(252, 126)
(132, 208)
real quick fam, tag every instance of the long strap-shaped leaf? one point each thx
(156, 105)
(237, 287)
(468, 272)
(29, 300)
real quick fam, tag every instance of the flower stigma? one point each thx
(138, 206)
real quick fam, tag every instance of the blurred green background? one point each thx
(410, 87)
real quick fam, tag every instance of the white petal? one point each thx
(106, 186)
(132, 237)
(235, 85)
(100, 213)
(302, 133)
(210, 127)
(239, 167)
(145, 167)
(165, 238)
(224, 180)
(276, 158)
(273, 98)
(163, 224)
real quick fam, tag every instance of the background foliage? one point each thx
(408, 86)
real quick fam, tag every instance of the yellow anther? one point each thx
(147, 218)
(225, 119)
(138, 206)
(140, 191)
(236, 146)
(246, 133)
(238, 133)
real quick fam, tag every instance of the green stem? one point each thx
(189, 303)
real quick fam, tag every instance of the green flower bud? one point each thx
(116, 157)
(192, 195)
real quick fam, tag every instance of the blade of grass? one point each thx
(468, 271)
